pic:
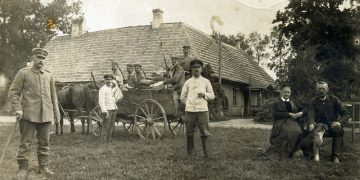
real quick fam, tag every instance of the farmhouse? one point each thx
(71, 58)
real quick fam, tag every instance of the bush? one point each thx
(264, 112)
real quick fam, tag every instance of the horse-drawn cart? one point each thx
(147, 112)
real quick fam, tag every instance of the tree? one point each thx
(258, 46)
(317, 39)
(254, 45)
(25, 24)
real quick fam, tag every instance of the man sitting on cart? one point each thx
(131, 78)
(177, 81)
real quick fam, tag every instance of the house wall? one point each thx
(229, 89)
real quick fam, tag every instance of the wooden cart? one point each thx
(147, 112)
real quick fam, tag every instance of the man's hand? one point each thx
(335, 124)
(311, 127)
(19, 115)
(201, 95)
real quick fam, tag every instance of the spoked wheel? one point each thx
(95, 115)
(129, 126)
(177, 126)
(150, 119)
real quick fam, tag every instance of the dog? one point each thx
(309, 147)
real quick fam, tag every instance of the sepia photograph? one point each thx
(180, 89)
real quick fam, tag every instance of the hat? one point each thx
(137, 65)
(108, 77)
(39, 52)
(129, 65)
(177, 58)
(196, 62)
(186, 47)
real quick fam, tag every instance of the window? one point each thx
(234, 98)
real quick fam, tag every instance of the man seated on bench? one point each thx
(328, 109)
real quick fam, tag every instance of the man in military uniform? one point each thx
(328, 109)
(117, 74)
(131, 76)
(177, 81)
(139, 74)
(195, 94)
(33, 97)
(185, 62)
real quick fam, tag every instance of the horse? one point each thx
(78, 97)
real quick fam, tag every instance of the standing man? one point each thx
(185, 62)
(328, 109)
(33, 97)
(195, 94)
(108, 108)
(177, 81)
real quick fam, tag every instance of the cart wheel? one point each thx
(129, 126)
(177, 126)
(95, 115)
(150, 119)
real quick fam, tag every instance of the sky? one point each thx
(238, 15)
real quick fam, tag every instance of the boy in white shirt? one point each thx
(195, 93)
(108, 108)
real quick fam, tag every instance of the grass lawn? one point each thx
(237, 154)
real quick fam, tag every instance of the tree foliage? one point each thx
(25, 24)
(314, 40)
(255, 45)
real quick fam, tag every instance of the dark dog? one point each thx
(310, 145)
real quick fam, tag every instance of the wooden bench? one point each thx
(355, 118)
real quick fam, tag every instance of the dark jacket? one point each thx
(279, 111)
(327, 111)
(178, 78)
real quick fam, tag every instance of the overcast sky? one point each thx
(238, 15)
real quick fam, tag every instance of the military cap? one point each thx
(186, 47)
(196, 63)
(137, 65)
(175, 58)
(39, 52)
(109, 77)
(129, 65)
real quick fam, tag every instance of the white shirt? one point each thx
(189, 94)
(106, 99)
(285, 100)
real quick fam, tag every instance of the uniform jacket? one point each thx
(327, 111)
(33, 91)
(185, 63)
(189, 94)
(178, 78)
(107, 99)
(131, 79)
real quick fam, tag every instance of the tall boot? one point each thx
(206, 145)
(190, 145)
(23, 169)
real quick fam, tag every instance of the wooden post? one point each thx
(220, 60)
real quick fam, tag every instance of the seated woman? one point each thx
(286, 130)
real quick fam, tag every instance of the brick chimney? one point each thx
(77, 26)
(157, 18)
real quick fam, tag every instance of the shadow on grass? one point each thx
(236, 154)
